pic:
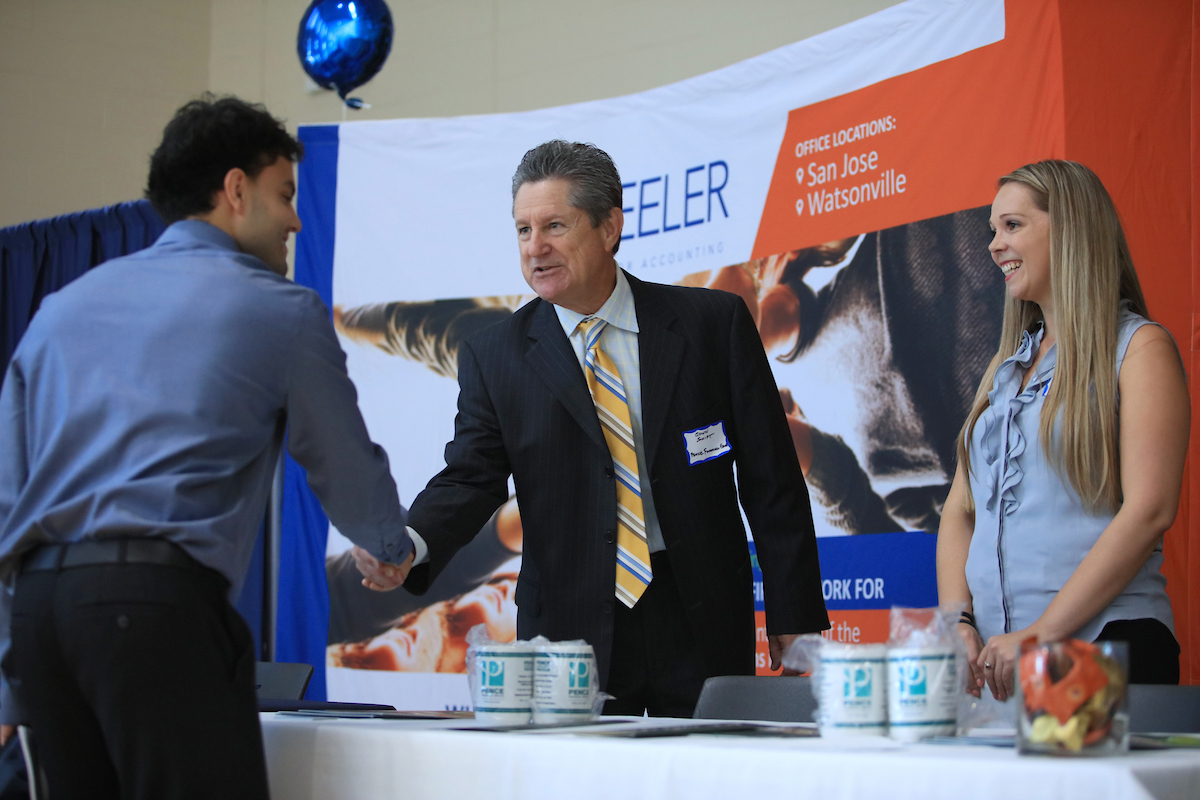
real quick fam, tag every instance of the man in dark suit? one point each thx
(646, 562)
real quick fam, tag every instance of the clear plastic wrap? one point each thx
(566, 683)
(536, 681)
(849, 683)
(501, 678)
(926, 663)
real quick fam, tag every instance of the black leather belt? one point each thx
(91, 552)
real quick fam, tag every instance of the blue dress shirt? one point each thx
(150, 398)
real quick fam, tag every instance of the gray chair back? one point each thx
(1164, 709)
(751, 697)
(279, 680)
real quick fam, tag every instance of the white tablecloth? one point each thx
(345, 759)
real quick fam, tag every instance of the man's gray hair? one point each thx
(595, 183)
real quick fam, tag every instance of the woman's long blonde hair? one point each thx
(1091, 272)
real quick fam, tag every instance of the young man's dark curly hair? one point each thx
(203, 141)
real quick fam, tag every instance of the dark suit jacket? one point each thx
(524, 409)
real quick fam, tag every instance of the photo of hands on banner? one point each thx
(876, 342)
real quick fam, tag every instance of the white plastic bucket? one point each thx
(852, 690)
(565, 683)
(502, 690)
(923, 688)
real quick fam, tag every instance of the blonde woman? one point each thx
(1071, 461)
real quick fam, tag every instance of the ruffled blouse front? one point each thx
(1002, 443)
(1031, 528)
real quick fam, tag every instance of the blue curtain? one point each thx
(304, 627)
(41, 257)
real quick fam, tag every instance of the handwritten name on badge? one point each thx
(707, 443)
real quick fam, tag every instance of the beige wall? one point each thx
(87, 85)
(85, 89)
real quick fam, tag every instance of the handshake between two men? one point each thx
(381, 576)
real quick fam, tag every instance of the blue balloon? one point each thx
(343, 43)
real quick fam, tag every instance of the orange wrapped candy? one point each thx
(1066, 695)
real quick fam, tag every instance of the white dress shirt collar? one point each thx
(618, 310)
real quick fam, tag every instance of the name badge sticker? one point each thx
(707, 443)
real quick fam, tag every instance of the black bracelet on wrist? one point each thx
(967, 618)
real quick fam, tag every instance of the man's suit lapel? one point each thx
(660, 350)
(551, 357)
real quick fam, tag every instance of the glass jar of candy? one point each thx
(1071, 697)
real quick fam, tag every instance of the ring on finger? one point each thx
(987, 665)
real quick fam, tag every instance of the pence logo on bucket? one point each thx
(857, 683)
(578, 677)
(913, 680)
(491, 677)
(492, 673)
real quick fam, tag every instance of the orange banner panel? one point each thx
(919, 145)
(857, 626)
(1129, 87)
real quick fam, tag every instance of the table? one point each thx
(311, 759)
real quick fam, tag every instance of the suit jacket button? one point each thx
(607, 608)
(608, 471)
(609, 538)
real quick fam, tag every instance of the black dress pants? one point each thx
(1153, 650)
(138, 681)
(656, 667)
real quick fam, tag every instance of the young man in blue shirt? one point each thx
(141, 419)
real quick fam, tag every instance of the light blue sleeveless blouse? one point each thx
(1031, 530)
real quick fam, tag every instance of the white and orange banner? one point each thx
(839, 184)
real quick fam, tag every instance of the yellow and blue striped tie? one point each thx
(608, 393)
